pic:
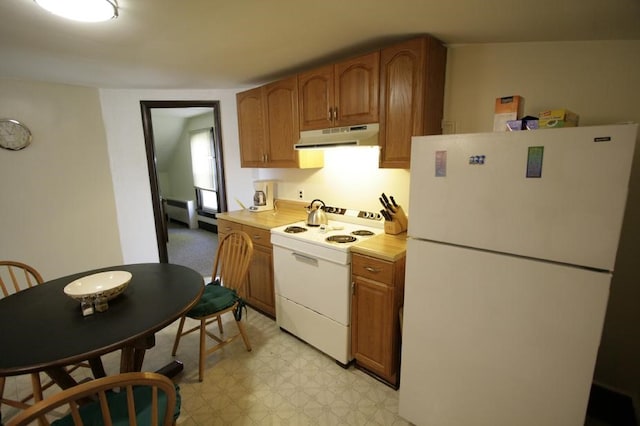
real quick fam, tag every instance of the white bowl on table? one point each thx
(110, 283)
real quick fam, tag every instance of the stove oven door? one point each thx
(313, 300)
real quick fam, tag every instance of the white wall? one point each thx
(125, 137)
(167, 130)
(180, 169)
(601, 82)
(598, 80)
(350, 178)
(57, 200)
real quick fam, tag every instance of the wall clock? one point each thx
(14, 135)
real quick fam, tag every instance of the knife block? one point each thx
(398, 224)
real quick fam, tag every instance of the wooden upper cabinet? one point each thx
(268, 127)
(342, 94)
(315, 94)
(251, 127)
(357, 83)
(412, 75)
(281, 112)
(401, 87)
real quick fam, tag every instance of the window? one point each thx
(203, 164)
(207, 201)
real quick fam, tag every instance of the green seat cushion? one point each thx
(92, 416)
(214, 298)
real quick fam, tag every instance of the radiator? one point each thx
(183, 211)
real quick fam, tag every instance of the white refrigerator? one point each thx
(512, 245)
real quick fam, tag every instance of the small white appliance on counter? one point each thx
(512, 244)
(262, 196)
(312, 278)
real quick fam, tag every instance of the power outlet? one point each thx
(301, 194)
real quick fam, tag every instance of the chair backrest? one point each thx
(232, 260)
(139, 392)
(17, 276)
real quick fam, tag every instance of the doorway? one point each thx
(183, 108)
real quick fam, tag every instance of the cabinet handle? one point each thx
(335, 114)
(372, 269)
(330, 115)
(353, 287)
(256, 237)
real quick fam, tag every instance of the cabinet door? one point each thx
(315, 94)
(251, 128)
(260, 292)
(282, 129)
(372, 326)
(411, 97)
(356, 90)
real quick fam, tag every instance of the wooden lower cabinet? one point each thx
(226, 226)
(260, 292)
(378, 295)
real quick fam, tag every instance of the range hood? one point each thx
(362, 135)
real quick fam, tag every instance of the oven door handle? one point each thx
(304, 258)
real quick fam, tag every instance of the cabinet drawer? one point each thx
(259, 236)
(226, 226)
(374, 269)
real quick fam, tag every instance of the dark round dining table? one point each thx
(43, 329)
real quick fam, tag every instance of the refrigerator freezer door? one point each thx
(491, 339)
(572, 213)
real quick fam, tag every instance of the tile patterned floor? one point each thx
(282, 381)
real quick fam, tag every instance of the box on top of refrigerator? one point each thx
(507, 108)
(555, 118)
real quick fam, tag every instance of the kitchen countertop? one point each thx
(385, 246)
(285, 212)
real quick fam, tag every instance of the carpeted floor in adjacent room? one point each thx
(194, 248)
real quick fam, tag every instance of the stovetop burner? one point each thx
(294, 229)
(362, 233)
(341, 239)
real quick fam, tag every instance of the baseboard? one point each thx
(611, 406)
(208, 226)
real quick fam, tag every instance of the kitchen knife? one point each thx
(387, 204)
(386, 215)
(387, 208)
(393, 201)
(383, 203)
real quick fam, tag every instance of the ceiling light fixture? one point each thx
(82, 10)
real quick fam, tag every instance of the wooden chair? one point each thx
(130, 398)
(15, 277)
(224, 295)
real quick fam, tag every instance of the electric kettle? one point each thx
(316, 216)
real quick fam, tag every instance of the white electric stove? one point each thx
(312, 275)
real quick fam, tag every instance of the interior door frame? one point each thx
(147, 126)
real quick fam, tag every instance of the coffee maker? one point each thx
(262, 196)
